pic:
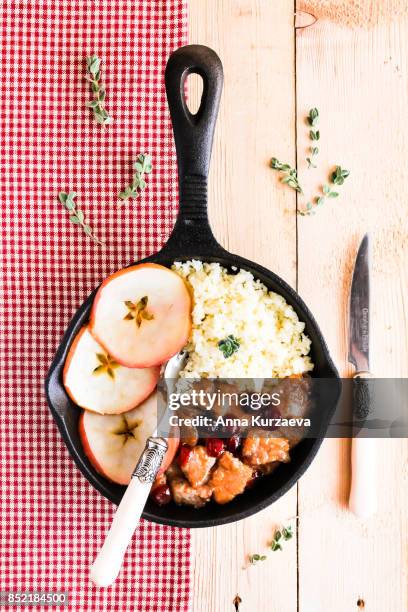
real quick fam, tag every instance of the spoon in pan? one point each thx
(107, 564)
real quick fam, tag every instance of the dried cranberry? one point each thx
(184, 454)
(215, 447)
(255, 475)
(161, 495)
(233, 444)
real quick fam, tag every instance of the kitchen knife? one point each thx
(363, 498)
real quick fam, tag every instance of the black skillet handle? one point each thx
(193, 135)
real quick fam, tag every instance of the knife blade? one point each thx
(359, 312)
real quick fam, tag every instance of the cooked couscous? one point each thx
(263, 330)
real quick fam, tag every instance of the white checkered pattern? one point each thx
(53, 522)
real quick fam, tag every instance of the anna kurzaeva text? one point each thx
(222, 421)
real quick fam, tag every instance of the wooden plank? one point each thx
(254, 217)
(359, 82)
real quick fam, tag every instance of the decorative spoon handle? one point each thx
(107, 564)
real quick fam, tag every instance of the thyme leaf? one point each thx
(76, 216)
(143, 166)
(229, 346)
(337, 177)
(313, 117)
(289, 175)
(314, 135)
(281, 535)
(253, 559)
(93, 64)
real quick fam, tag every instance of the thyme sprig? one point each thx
(289, 175)
(310, 160)
(313, 117)
(337, 178)
(314, 134)
(143, 166)
(76, 216)
(229, 345)
(339, 175)
(281, 535)
(253, 559)
(93, 64)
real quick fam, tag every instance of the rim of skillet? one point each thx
(103, 485)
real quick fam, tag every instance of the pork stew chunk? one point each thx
(184, 493)
(198, 466)
(259, 451)
(229, 478)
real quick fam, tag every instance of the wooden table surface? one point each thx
(359, 81)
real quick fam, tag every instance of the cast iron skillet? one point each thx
(192, 238)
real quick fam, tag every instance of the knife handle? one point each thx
(363, 490)
(361, 395)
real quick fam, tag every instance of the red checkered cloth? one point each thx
(53, 521)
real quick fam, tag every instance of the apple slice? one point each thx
(142, 315)
(94, 381)
(114, 443)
